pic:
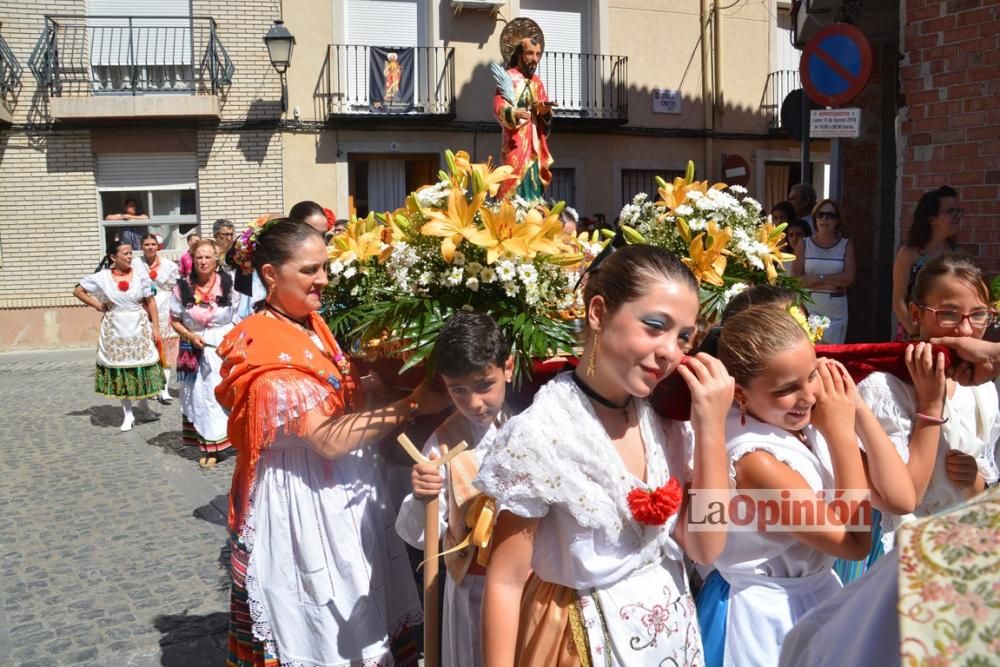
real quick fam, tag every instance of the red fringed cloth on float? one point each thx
(671, 398)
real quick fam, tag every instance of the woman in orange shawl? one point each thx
(318, 574)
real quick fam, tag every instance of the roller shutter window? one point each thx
(385, 23)
(164, 184)
(566, 24)
(153, 56)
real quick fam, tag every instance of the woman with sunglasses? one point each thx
(933, 232)
(945, 432)
(825, 264)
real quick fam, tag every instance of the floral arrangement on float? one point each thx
(718, 232)
(396, 277)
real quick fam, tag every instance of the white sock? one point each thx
(129, 419)
(166, 378)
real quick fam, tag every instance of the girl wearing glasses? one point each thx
(945, 432)
(933, 232)
(825, 264)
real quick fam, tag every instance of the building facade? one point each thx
(177, 106)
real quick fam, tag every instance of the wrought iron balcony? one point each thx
(130, 55)
(586, 86)
(10, 70)
(779, 84)
(358, 83)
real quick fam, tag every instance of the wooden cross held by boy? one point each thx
(432, 537)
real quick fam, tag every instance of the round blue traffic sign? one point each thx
(836, 65)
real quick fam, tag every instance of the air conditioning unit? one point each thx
(492, 6)
(809, 16)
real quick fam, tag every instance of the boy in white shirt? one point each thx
(472, 359)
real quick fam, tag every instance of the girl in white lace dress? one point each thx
(796, 428)
(163, 274)
(587, 564)
(946, 433)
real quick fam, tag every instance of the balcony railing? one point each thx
(586, 85)
(349, 91)
(130, 55)
(779, 84)
(10, 70)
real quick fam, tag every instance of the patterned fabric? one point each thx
(949, 569)
(524, 146)
(244, 649)
(191, 437)
(849, 570)
(129, 383)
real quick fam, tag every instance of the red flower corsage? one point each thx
(331, 219)
(123, 285)
(152, 274)
(653, 508)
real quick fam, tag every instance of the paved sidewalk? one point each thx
(111, 544)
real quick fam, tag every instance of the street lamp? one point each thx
(279, 49)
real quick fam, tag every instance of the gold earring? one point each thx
(592, 360)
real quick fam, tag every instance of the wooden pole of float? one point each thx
(432, 537)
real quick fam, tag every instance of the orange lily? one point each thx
(773, 236)
(458, 223)
(361, 239)
(504, 235)
(672, 195)
(707, 251)
(483, 175)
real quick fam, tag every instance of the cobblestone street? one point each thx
(112, 550)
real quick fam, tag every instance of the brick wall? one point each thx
(951, 80)
(49, 231)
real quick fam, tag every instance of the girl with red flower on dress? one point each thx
(587, 563)
(128, 365)
(163, 274)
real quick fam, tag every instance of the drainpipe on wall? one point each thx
(717, 48)
(706, 89)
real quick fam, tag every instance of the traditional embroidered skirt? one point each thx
(129, 383)
(193, 438)
(646, 619)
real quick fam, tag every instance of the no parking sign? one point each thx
(836, 65)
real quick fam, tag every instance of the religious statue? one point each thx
(523, 109)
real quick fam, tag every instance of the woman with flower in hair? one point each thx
(797, 427)
(588, 553)
(202, 310)
(128, 363)
(319, 576)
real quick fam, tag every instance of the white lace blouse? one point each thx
(973, 427)
(555, 462)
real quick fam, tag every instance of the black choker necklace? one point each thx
(285, 315)
(600, 399)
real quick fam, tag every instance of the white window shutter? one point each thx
(566, 25)
(147, 171)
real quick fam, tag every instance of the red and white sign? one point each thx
(735, 170)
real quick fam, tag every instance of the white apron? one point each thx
(126, 335)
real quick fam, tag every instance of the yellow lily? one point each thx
(707, 251)
(773, 237)
(361, 240)
(458, 223)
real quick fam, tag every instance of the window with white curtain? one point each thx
(566, 25)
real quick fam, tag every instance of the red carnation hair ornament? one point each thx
(331, 219)
(653, 508)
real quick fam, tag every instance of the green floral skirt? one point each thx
(128, 383)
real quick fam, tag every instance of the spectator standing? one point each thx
(935, 226)
(802, 197)
(825, 263)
